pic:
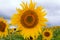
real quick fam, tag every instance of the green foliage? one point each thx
(16, 36)
(13, 36)
(39, 37)
(56, 34)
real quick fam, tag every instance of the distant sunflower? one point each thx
(12, 30)
(55, 28)
(47, 34)
(30, 19)
(3, 27)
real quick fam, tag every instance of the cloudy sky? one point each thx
(8, 8)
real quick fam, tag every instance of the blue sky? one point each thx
(8, 8)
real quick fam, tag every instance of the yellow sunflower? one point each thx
(3, 27)
(47, 34)
(30, 19)
(12, 30)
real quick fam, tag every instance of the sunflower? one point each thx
(47, 34)
(30, 19)
(3, 27)
(12, 30)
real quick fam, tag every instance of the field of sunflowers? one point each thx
(31, 25)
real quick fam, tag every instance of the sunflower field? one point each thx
(30, 24)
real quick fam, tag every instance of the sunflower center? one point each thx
(2, 26)
(29, 19)
(47, 34)
(31, 38)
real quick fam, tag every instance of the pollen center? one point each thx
(2, 26)
(47, 34)
(29, 19)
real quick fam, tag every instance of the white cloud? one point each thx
(8, 7)
(54, 20)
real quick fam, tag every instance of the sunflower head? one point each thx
(3, 27)
(47, 34)
(30, 19)
(12, 30)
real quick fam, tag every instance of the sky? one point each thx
(52, 7)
